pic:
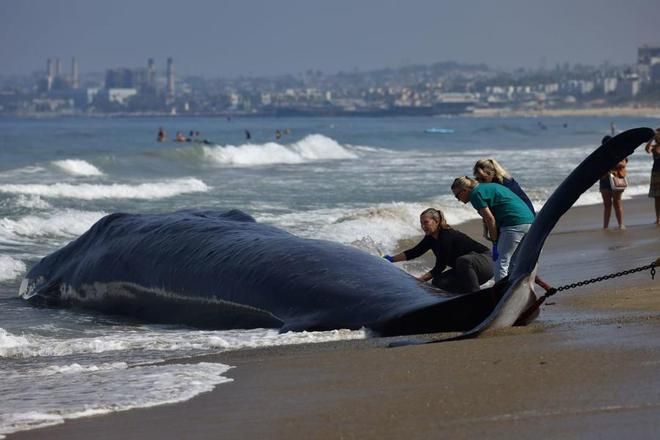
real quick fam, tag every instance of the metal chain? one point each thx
(651, 266)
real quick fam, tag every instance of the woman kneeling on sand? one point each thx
(468, 259)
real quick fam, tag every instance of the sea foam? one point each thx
(100, 392)
(143, 191)
(10, 268)
(66, 223)
(175, 342)
(11, 344)
(314, 147)
(376, 229)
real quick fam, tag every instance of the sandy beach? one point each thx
(586, 368)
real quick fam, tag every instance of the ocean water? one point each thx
(358, 181)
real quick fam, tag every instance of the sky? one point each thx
(228, 38)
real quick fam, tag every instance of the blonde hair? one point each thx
(464, 182)
(436, 215)
(491, 168)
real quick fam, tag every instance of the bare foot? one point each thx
(622, 227)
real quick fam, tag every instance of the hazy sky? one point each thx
(224, 38)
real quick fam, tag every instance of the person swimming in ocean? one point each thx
(161, 135)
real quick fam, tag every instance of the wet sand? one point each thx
(586, 368)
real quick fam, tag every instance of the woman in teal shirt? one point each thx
(506, 216)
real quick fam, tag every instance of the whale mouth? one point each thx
(459, 314)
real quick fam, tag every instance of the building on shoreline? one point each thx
(423, 90)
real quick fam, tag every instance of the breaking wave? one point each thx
(77, 167)
(314, 147)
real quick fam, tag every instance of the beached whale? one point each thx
(224, 270)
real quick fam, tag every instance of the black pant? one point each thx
(470, 272)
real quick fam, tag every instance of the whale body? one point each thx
(224, 270)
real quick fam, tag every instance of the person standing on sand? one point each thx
(490, 171)
(653, 148)
(468, 259)
(506, 216)
(612, 198)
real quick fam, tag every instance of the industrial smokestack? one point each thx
(170, 78)
(49, 74)
(58, 67)
(151, 74)
(74, 73)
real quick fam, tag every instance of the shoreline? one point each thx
(599, 112)
(586, 368)
(626, 111)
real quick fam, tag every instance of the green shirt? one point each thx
(507, 208)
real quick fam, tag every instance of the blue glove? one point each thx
(495, 253)
(389, 258)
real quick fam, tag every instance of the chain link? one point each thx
(651, 266)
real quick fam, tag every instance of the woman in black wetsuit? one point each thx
(469, 261)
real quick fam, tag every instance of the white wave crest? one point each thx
(77, 167)
(31, 345)
(143, 191)
(10, 268)
(76, 368)
(27, 345)
(19, 172)
(314, 147)
(31, 201)
(62, 223)
(11, 344)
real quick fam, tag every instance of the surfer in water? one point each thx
(469, 260)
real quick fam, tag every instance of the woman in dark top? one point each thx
(469, 260)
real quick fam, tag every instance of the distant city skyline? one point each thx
(263, 38)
